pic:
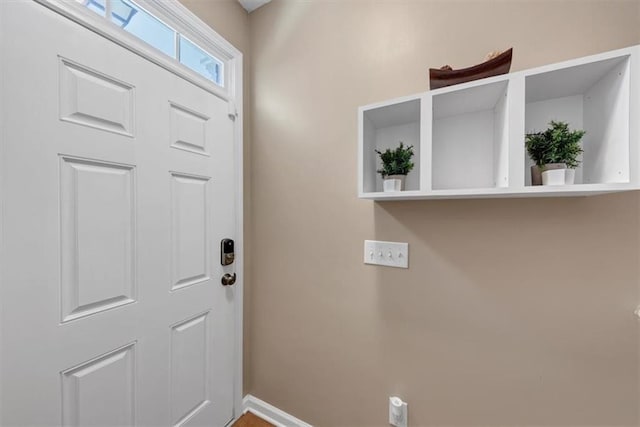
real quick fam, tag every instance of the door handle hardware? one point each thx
(228, 279)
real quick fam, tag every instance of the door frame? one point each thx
(177, 16)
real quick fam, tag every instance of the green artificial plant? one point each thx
(557, 144)
(396, 162)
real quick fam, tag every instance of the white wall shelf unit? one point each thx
(469, 138)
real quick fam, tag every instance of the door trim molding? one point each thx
(187, 23)
(3, 39)
(270, 413)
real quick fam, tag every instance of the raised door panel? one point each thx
(189, 369)
(91, 98)
(188, 129)
(101, 392)
(189, 231)
(97, 236)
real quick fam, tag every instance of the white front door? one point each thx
(117, 187)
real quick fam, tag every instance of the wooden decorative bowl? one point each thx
(501, 64)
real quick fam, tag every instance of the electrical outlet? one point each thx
(397, 412)
(389, 254)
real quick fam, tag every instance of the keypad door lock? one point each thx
(227, 252)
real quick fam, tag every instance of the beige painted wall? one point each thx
(226, 17)
(231, 21)
(514, 312)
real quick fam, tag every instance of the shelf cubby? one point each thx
(593, 96)
(470, 142)
(383, 127)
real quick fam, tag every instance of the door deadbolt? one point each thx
(228, 279)
(227, 252)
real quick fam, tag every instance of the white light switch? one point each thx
(390, 254)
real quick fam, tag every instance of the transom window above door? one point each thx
(137, 21)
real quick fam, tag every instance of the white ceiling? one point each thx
(251, 5)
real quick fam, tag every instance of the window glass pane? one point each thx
(95, 5)
(142, 25)
(201, 62)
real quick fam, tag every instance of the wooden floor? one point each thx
(250, 420)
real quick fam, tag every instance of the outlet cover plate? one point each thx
(388, 254)
(398, 414)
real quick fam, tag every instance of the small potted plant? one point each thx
(570, 149)
(396, 164)
(555, 154)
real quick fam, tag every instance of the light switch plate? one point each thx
(389, 254)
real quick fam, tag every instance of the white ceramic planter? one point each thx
(569, 176)
(553, 177)
(393, 183)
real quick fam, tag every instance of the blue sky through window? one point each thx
(96, 5)
(144, 26)
(200, 61)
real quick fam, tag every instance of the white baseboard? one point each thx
(270, 413)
